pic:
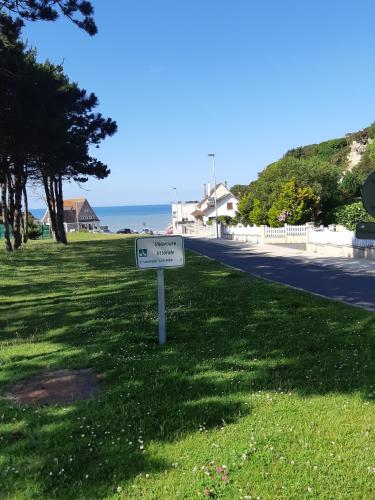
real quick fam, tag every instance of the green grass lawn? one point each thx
(261, 391)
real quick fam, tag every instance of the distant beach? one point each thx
(136, 217)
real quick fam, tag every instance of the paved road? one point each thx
(346, 280)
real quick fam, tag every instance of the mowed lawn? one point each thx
(261, 391)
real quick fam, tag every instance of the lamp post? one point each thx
(212, 155)
(176, 203)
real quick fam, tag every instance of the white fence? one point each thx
(322, 241)
(253, 230)
(279, 232)
(250, 234)
(265, 234)
(199, 230)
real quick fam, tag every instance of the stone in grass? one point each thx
(54, 388)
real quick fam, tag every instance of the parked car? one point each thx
(147, 231)
(124, 231)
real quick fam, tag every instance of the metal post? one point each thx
(161, 307)
(217, 222)
(176, 203)
(212, 155)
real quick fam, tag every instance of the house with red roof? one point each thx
(78, 214)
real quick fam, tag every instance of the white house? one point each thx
(226, 204)
(182, 216)
(190, 216)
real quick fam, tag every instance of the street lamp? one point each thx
(176, 203)
(212, 155)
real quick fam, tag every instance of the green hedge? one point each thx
(349, 215)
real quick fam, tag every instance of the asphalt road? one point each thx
(353, 286)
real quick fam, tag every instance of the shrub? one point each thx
(366, 164)
(350, 186)
(227, 220)
(294, 205)
(35, 230)
(258, 214)
(350, 215)
(245, 206)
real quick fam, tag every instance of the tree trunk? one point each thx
(26, 213)
(10, 205)
(60, 210)
(51, 209)
(4, 208)
(17, 208)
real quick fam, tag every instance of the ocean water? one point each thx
(136, 217)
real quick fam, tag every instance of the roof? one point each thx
(197, 213)
(215, 188)
(211, 192)
(74, 205)
(73, 201)
(219, 201)
(70, 216)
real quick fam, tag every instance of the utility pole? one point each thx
(176, 204)
(212, 155)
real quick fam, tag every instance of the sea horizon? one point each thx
(156, 217)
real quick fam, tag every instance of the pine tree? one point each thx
(80, 12)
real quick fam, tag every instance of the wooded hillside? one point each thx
(318, 182)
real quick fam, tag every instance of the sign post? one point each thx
(160, 252)
(366, 230)
(161, 307)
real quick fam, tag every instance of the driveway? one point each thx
(348, 280)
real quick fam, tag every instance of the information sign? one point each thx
(368, 194)
(159, 252)
(365, 231)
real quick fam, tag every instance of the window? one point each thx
(229, 205)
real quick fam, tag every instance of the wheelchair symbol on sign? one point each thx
(142, 252)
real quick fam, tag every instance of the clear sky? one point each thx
(244, 79)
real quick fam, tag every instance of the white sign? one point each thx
(159, 252)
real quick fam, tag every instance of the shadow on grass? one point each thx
(229, 335)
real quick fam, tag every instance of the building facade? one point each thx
(190, 217)
(78, 215)
(182, 217)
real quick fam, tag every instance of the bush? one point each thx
(35, 230)
(366, 164)
(350, 186)
(350, 215)
(227, 220)
(295, 205)
(258, 214)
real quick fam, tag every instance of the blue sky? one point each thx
(246, 80)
